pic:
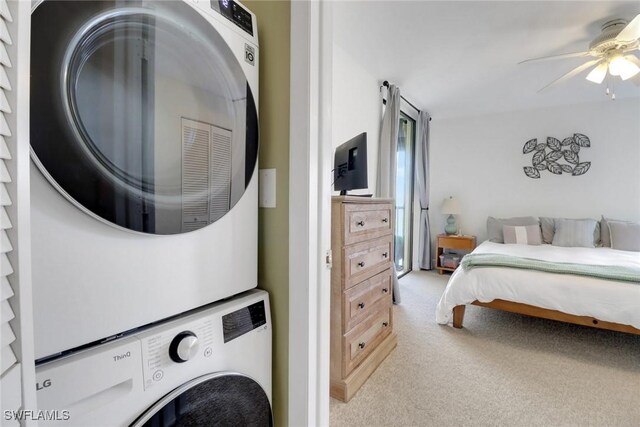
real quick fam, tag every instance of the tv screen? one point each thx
(350, 165)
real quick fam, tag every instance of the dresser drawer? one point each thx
(363, 222)
(364, 338)
(365, 298)
(366, 259)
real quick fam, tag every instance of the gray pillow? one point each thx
(548, 227)
(625, 236)
(604, 227)
(494, 226)
(574, 233)
(522, 234)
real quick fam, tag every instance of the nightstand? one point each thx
(459, 243)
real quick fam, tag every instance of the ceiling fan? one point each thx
(612, 51)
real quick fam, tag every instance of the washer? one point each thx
(144, 139)
(210, 367)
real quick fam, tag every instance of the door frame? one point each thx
(310, 212)
(410, 112)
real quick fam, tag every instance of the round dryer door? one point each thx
(211, 400)
(141, 113)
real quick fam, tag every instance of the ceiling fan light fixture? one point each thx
(620, 66)
(598, 74)
(629, 71)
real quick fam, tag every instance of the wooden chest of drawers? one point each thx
(361, 290)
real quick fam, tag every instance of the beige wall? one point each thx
(274, 24)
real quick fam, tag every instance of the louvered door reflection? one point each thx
(196, 142)
(220, 172)
(206, 173)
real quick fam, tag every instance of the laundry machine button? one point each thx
(158, 375)
(184, 347)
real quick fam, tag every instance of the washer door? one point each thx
(221, 399)
(141, 114)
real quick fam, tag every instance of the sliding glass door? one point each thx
(404, 194)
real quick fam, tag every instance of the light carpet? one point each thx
(501, 369)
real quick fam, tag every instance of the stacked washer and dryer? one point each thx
(144, 139)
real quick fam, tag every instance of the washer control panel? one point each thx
(167, 350)
(245, 320)
(200, 340)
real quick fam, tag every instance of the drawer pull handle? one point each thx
(361, 264)
(385, 254)
(360, 223)
(362, 345)
(361, 305)
(385, 324)
(385, 220)
(385, 290)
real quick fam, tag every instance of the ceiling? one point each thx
(455, 58)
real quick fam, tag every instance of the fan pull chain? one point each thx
(613, 90)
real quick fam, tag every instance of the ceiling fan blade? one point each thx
(562, 56)
(631, 32)
(598, 74)
(572, 73)
(633, 58)
(632, 69)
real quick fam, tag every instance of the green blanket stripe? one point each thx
(610, 272)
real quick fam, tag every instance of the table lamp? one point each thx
(450, 207)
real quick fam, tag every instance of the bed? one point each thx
(601, 289)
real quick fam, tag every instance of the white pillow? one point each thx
(522, 234)
(494, 226)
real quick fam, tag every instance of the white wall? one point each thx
(357, 108)
(479, 161)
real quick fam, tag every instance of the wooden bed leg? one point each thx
(458, 316)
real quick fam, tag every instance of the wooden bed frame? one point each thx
(530, 310)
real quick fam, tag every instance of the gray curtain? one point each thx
(422, 182)
(386, 179)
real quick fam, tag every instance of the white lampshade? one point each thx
(450, 206)
(621, 66)
(598, 74)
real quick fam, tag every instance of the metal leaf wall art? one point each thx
(548, 157)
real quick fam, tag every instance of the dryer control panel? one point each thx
(235, 13)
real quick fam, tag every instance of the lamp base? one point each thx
(451, 227)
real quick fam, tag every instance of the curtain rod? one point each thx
(384, 101)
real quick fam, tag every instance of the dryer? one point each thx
(210, 367)
(144, 139)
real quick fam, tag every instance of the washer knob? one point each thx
(184, 346)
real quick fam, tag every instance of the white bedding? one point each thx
(608, 300)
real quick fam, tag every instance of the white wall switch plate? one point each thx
(267, 188)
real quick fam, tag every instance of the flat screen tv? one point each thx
(350, 165)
